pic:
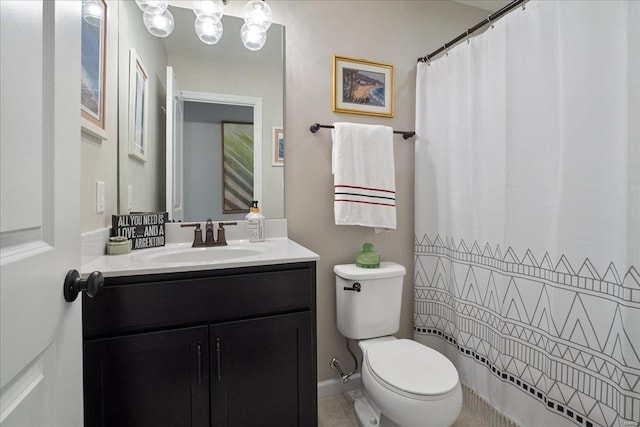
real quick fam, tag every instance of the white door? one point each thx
(40, 333)
(175, 120)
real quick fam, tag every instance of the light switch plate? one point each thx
(130, 198)
(99, 197)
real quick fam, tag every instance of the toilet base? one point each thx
(368, 415)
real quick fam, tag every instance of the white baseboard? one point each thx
(336, 386)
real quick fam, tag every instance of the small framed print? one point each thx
(93, 60)
(138, 107)
(362, 87)
(278, 147)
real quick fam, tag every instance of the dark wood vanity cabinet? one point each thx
(148, 379)
(232, 347)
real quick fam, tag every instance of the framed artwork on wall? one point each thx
(138, 107)
(278, 146)
(362, 87)
(93, 60)
(237, 166)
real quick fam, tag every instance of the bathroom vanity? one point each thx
(227, 343)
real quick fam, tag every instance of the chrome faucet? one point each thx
(220, 239)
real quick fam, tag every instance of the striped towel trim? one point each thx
(371, 196)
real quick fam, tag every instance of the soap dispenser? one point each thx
(255, 223)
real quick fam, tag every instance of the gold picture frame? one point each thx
(362, 87)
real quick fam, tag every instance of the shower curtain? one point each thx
(527, 221)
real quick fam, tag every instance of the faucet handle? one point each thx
(197, 233)
(222, 240)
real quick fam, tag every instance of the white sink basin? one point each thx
(181, 257)
(185, 255)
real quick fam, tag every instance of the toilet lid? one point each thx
(412, 367)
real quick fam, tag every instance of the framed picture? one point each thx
(138, 107)
(93, 56)
(237, 166)
(362, 87)
(278, 147)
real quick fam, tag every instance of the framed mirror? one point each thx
(185, 177)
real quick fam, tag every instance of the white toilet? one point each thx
(405, 383)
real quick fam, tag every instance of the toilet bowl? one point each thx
(405, 383)
(409, 384)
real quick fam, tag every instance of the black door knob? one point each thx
(73, 285)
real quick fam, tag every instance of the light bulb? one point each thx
(92, 12)
(213, 8)
(253, 36)
(208, 29)
(257, 12)
(153, 7)
(159, 25)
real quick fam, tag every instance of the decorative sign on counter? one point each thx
(144, 229)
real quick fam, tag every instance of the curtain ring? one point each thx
(489, 21)
(467, 36)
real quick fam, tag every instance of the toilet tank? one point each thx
(375, 310)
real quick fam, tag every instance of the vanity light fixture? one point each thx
(258, 12)
(253, 37)
(213, 8)
(153, 7)
(208, 24)
(208, 29)
(92, 12)
(257, 20)
(160, 25)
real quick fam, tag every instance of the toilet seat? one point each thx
(411, 369)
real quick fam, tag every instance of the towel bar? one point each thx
(405, 134)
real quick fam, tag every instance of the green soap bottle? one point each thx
(368, 258)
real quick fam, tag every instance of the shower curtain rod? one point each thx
(406, 134)
(473, 29)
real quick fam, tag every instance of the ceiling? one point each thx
(488, 5)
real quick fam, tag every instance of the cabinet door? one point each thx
(262, 372)
(151, 379)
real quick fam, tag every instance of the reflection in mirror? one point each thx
(207, 133)
(226, 70)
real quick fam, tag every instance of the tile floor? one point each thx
(337, 411)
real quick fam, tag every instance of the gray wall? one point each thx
(390, 32)
(99, 157)
(147, 178)
(202, 152)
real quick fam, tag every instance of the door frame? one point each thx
(227, 99)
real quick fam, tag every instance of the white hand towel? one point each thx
(364, 176)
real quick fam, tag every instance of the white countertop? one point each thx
(174, 258)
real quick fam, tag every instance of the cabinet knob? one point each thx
(73, 285)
